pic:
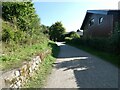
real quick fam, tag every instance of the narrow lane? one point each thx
(75, 68)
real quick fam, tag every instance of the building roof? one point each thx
(98, 11)
(103, 12)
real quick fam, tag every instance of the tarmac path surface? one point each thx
(75, 68)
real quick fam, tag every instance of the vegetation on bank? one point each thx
(107, 48)
(21, 34)
(71, 35)
(14, 59)
(39, 78)
(109, 57)
(23, 37)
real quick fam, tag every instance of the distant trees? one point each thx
(56, 31)
(74, 35)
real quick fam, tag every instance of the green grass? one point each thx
(55, 49)
(39, 78)
(22, 48)
(14, 59)
(22, 54)
(112, 58)
(16, 51)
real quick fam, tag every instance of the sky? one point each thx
(70, 12)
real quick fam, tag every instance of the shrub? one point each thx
(74, 35)
(7, 31)
(115, 38)
(68, 38)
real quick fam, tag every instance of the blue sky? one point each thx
(70, 13)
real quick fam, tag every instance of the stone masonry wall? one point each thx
(18, 77)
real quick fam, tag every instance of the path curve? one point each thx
(75, 68)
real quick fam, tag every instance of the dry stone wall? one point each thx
(18, 77)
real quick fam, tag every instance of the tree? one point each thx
(56, 31)
(21, 14)
(23, 19)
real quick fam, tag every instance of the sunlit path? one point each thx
(75, 68)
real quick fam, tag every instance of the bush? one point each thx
(7, 31)
(67, 39)
(96, 43)
(74, 35)
(115, 38)
(108, 44)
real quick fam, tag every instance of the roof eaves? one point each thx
(105, 12)
(84, 21)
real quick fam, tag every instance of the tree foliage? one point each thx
(115, 38)
(109, 44)
(23, 20)
(56, 31)
(21, 14)
(74, 35)
(45, 29)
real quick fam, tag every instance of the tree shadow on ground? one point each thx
(72, 64)
(76, 65)
(84, 69)
(70, 61)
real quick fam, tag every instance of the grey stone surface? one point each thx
(75, 68)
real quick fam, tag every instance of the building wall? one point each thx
(103, 29)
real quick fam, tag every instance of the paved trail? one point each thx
(75, 68)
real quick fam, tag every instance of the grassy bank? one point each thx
(19, 47)
(39, 79)
(24, 54)
(23, 38)
(15, 58)
(112, 58)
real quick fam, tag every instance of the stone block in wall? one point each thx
(19, 77)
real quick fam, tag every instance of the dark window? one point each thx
(91, 22)
(100, 20)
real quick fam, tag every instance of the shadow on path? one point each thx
(89, 71)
